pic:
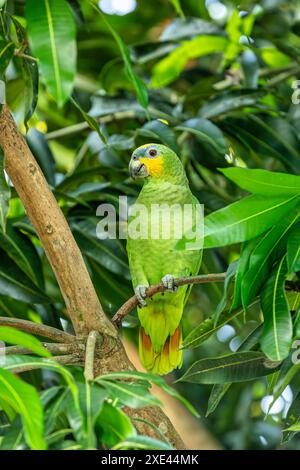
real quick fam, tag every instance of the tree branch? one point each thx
(81, 300)
(131, 303)
(38, 329)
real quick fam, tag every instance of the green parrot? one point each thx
(153, 257)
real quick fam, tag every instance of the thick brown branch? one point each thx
(131, 303)
(38, 329)
(61, 249)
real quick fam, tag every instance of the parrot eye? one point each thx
(152, 152)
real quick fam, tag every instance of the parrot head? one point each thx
(157, 162)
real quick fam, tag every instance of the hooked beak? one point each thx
(137, 169)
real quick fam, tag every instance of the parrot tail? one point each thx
(164, 361)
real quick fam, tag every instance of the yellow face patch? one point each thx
(154, 165)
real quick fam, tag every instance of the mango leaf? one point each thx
(229, 101)
(4, 194)
(207, 132)
(139, 85)
(266, 183)
(51, 30)
(169, 68)
(14, 362)
(24, 399)
(245, 219)
(30, 73)
(15, 284)
(142, 443)
(13, 336)
(219, 390)
(113, 426)
(21, 250)
(242, 268)
(178, 8)
(277, 333)
(150, 378)
(158, 130)
(293, 249)
(6, 54)
(271, 246)
(133, 394)
(90, 120)
(237, 367)
(230, 275)
(207, 328)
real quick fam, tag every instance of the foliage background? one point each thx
(228, 106)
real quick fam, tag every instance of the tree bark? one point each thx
(82, 303)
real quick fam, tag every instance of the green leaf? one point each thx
(244, 219)
(4, 194)
(236, 367)
(6, 54)
(263, 182)
(90, 120)
(20, 249)
(203, 331)
(169, 68)
(24, 399)
(51, 30)
(142, 443)
(133, 395)
(207, 132)
(228, 101)
(242, 268)
(30, 73)
(158, 130)
(14, 362)
(277, 333)
(108, 253)
(218, 391)
(159, 381)
(13, 336)
(113, 426)
(230, 275)
(293, 249)
(139, 85)
(271, 246)
(15, 284)
(178, 8)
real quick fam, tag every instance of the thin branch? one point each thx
(54, 348)
(38, 329)
(91, 344)
(64, 360)
(131, 303)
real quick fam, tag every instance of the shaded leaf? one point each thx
(51, 30)
(277, 333)
(236, 367)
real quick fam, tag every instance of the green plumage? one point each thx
(151, 259)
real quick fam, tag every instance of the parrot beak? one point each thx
(136, 168)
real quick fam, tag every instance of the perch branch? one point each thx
(131, 303)
(38, 329)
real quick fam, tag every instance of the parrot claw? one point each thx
(169, 283)
(140, 292)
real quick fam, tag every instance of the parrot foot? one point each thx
(169, 282)
(140, 292)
